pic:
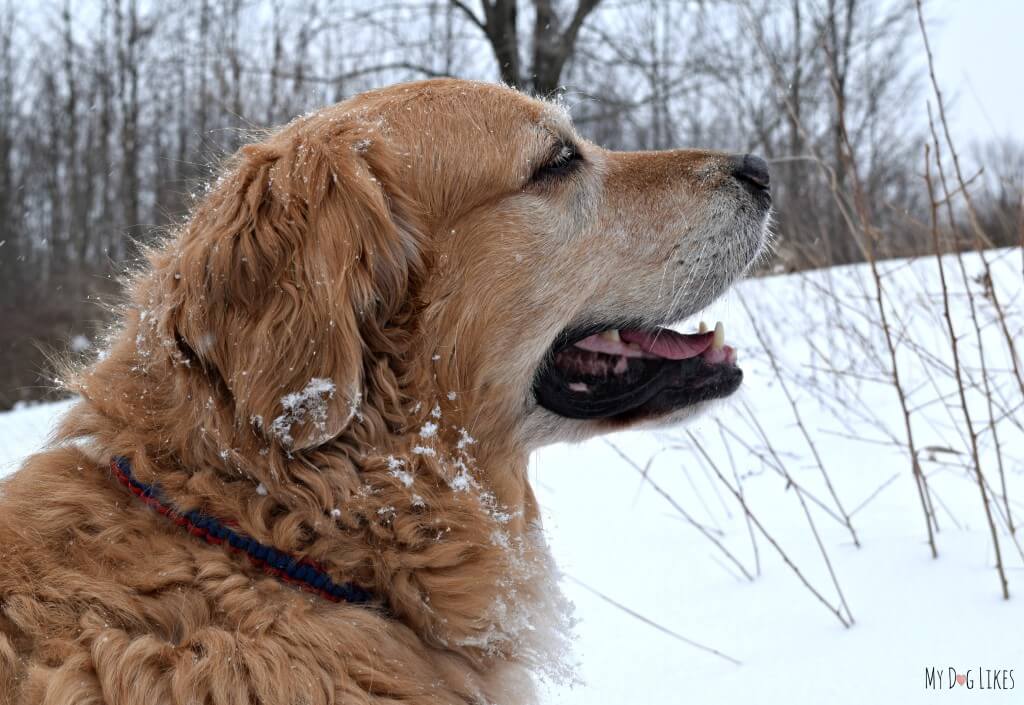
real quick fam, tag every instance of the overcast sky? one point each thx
(979, 57)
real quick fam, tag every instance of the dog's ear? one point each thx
(288, 272)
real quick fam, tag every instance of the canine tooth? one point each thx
(719, 340)
(702, 328)
(611, 335)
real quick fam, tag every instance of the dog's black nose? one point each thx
(752, 170)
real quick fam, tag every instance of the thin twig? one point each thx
(799, 420)
(739, 487)
(775, 544)
(651, 623)
(707, 533)
(807, 513)
(955, 347)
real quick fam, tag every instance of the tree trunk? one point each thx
(552, 45)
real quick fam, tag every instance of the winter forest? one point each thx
(115, 113)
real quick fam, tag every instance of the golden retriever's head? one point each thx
(458, 244)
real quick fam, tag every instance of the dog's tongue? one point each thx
(661, 342)
(668, 343)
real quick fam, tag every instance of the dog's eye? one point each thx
(564, 159)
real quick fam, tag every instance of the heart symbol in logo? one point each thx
(960, 680)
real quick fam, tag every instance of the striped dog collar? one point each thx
(305, 574)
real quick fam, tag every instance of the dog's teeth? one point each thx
(702, 328)
(719, 340)
(612, 335)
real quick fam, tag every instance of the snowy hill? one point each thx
(663, 562)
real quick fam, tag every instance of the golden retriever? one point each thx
(298, 473)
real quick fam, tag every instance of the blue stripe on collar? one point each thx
(305, 574)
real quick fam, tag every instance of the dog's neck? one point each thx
(441, 525)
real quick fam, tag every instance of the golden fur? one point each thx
(335, 352)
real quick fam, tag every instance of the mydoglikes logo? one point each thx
(972, 678)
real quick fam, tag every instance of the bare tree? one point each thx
(553, 40)
(1001, 205)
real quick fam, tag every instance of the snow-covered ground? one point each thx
(637, 520)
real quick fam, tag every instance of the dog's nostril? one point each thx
(752, 169)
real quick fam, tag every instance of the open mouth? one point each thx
(635, 373)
